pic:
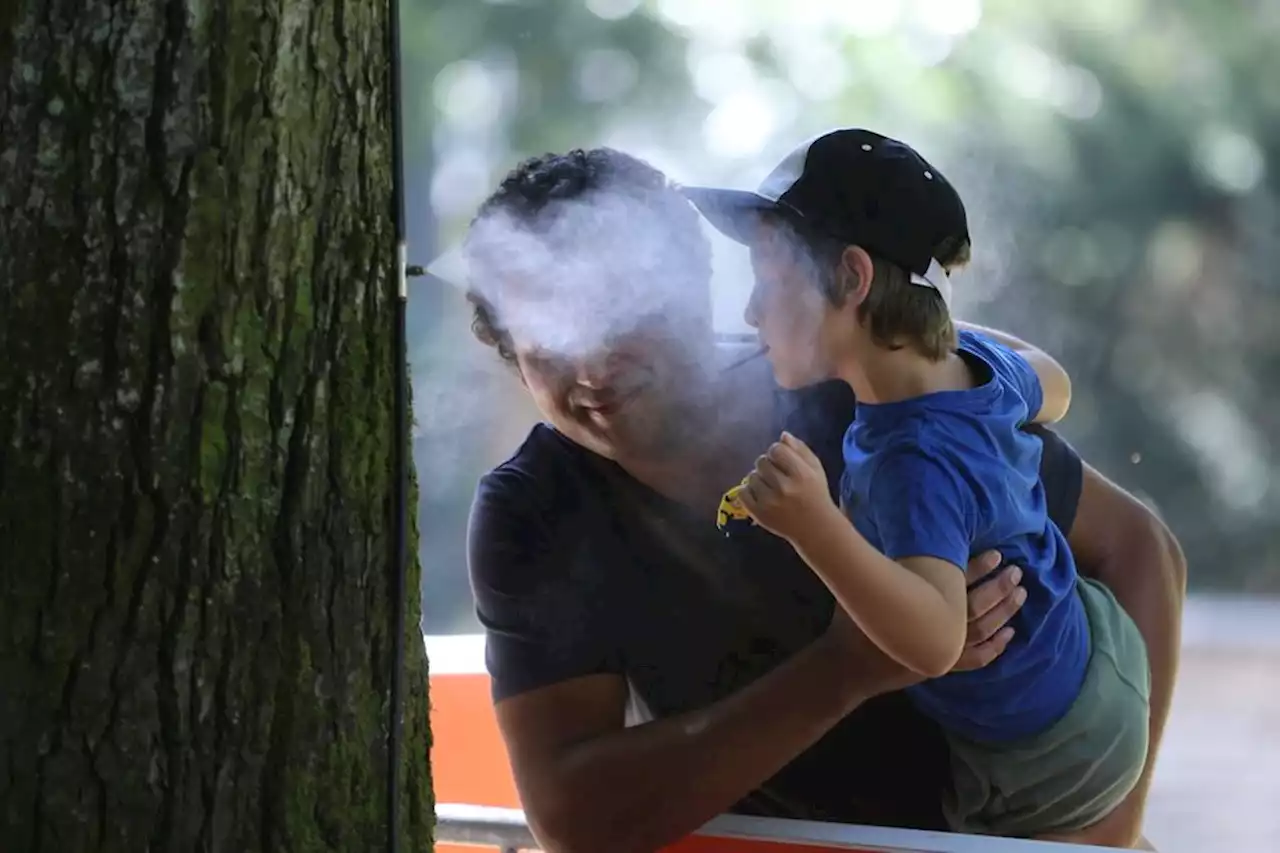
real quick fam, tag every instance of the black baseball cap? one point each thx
(857, 186)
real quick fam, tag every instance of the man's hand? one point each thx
(787, 489)
(991, 606)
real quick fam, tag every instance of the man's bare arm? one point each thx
(1120, 542)
(589, 784)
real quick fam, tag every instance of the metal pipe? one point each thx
(400, 439)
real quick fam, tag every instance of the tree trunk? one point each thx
(196, 259)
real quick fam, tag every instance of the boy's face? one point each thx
(800, 329)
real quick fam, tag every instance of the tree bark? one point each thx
(196, 259)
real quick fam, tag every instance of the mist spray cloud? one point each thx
(587, 270)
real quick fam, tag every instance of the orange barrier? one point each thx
(468, 761)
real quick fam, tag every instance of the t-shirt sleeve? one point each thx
(1062, 474)
(920, 507)
(1009, 367)
(539, 605)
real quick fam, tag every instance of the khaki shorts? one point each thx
(1073, 774)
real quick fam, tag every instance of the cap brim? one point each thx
(734, 213)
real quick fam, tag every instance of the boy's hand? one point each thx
(788, 489)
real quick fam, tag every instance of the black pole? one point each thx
(400, 442)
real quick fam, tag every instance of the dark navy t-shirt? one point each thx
(578, 569)
(950, 475)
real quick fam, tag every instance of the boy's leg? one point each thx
(1071, 776)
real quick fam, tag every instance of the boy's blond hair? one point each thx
(896, 312)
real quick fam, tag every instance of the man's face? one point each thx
(789, 312)
(620, 382)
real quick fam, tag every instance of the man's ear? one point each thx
(856, 273)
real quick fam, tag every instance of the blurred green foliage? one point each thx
(1121, 160)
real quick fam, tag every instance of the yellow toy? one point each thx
(731, 509)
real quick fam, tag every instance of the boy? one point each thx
(1048, 739)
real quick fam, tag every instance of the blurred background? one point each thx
(1121, 164)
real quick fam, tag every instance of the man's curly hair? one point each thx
(544, 197)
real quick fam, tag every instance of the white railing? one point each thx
(483, 826)
(506, 830)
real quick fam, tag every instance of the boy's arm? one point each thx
(1055, 383)
(910, 598)
(913, 609)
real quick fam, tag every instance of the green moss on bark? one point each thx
(195, 376)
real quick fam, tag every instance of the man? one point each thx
(600, 577)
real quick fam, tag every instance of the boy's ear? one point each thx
(856, 273)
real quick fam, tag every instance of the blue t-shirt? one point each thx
(951, 475)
